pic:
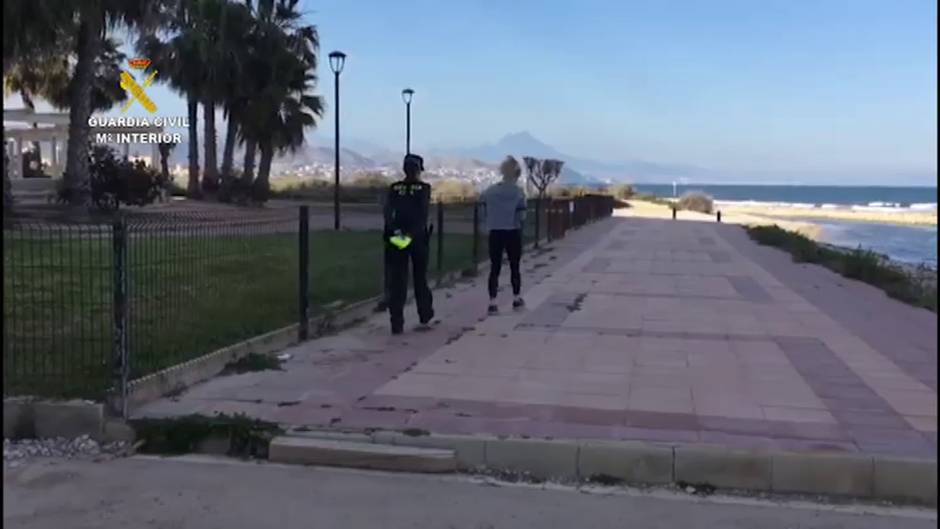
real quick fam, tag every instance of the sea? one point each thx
(909, 244)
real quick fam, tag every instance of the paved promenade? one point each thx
(655, 330)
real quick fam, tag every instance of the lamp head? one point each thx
(406, 95)
(337, 61)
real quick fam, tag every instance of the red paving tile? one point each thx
(654, 284)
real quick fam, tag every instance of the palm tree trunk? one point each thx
(165, 165)
(248, 169)
(77, 176)
(262, 185)
(228, 155)
(228, 152)
(192, 187)
(210, 176)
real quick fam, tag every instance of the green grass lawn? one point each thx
(188, 295)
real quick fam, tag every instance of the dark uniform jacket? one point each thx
(406, 209)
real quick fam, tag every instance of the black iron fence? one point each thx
(89, 307)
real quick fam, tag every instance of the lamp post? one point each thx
(406, 96)
(337, 61)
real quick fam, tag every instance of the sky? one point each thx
(841, 90)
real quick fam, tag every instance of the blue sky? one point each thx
(843, 90)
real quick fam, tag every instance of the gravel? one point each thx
(19, 452)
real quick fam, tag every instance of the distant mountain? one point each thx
(309, 153)
(582, 170)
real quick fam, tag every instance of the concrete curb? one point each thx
(25, 417)
(880, 478)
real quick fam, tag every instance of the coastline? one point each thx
(906, 218)
(769, 216)
(644, 209)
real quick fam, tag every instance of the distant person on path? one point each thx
(406, 238)
(504, 206)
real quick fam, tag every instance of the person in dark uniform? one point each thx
(406, 239)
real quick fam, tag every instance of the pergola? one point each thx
(53, 129)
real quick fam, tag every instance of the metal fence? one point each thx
(89, 307)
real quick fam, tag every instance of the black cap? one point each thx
(413, 161)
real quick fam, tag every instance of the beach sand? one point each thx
(643, 209)
(919, 218)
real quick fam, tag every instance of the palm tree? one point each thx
(280, 105)
(178, 61)
(94, 18)
(47, 75)
(36, 76)
(224, 30)
(239, 24)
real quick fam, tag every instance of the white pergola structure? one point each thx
(53, 129)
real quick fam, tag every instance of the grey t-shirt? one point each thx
(504, 206)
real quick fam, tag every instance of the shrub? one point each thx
(453, 191)
(859, 264)
(568, 191)
(371, 180)
(696, 201)
(623, 191)
(117, 181)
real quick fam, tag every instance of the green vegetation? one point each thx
(652, 199)
(862, 265)
(189, 294)
(696, 201)
(242, 436)
(252, 362)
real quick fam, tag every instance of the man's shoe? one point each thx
(397, 329)
(427, 321)
(492, 309)
(518, 303)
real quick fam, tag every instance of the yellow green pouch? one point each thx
(400, 241)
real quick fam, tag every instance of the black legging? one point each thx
(509, 241)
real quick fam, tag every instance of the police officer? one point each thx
(406, 238)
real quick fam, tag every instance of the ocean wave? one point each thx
(764, 204)
(885, 207)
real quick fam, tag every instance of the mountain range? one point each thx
(362, 155)
(524, 143)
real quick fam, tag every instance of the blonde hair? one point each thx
(510, 168)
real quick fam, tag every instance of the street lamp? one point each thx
(337, 61)
(406, 96)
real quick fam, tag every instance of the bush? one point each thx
(453, 191)
(117, 181)
(371, 180)
(568, 191)
(697, 201)
(862, 265)
(623, 191)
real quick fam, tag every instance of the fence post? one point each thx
(719, 216)
(476, 237)
(120, 354)
(440, 242)
(304, 270)
(538, 220)
(548, 222)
